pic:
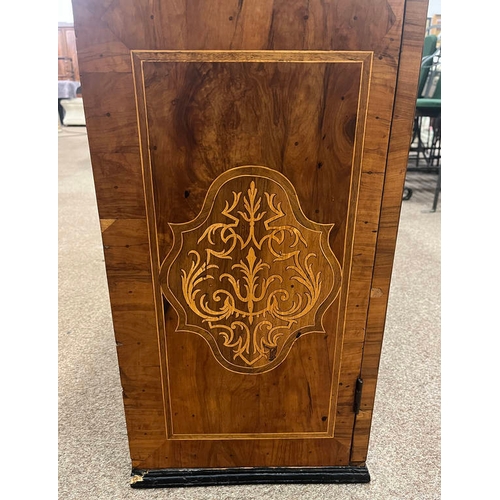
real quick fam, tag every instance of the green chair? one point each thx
(426, 142)
(431, 107)
(430, 46)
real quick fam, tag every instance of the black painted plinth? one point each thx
(176, 478)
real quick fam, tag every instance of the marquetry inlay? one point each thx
(251, 273)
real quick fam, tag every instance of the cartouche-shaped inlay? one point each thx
(251, 273)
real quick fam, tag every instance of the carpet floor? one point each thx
(404, 457)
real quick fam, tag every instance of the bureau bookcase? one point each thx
(249, 160)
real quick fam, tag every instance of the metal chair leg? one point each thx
(437, 191)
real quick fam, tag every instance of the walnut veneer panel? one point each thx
(240, 148)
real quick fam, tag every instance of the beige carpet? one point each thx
(404, 457)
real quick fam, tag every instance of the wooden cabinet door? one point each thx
(68, 62)
(249, 161)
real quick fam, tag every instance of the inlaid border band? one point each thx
(141, 57)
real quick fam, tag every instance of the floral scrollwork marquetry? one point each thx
(251, 273)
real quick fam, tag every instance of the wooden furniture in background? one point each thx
(249, 161)
(68, 61)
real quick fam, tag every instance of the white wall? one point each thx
(65, 11)
(434, 7)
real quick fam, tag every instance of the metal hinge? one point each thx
(357, 395)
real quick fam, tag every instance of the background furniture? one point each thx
(425, 151)
(68, 61)
(73, 111)
(70, 107)
(66, 69)
(249, 225)
(70, 112)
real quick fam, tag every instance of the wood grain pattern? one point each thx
(342, 93)
(173, 100)
(264, 278)
(404, 108)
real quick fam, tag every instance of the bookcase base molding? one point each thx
(175, 478)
